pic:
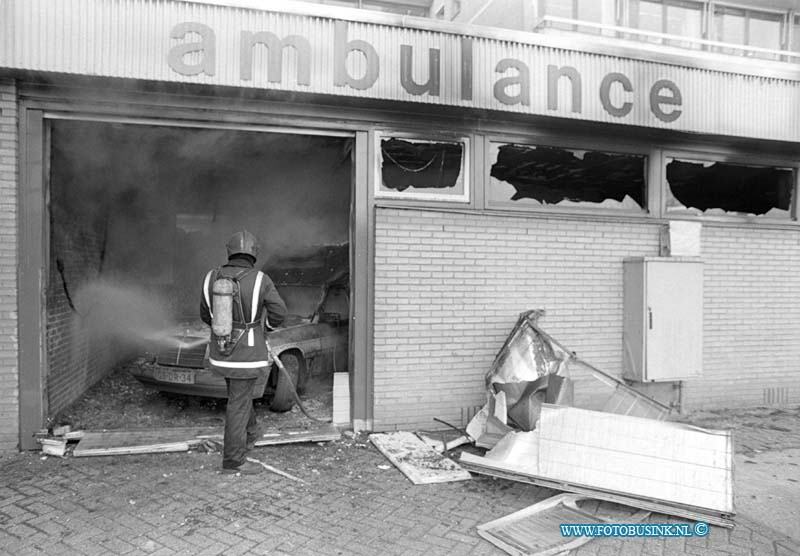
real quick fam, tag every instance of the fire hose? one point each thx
(288, 377)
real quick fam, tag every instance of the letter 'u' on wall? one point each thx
(342, 49)
(407, 72)
(202, 52)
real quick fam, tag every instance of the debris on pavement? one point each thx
(556, 421)
(317, 433)
(656, 465)
(53, 446)
(443, 444)
(532, 368)
(275, 470)
(106, 443)
(420, 463)
(61, 431)
(162, 440)
(535, 531)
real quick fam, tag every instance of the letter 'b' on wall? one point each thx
(342, 48)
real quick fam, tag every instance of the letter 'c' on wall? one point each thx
(657, 99)
(605, 94)
(206, 46)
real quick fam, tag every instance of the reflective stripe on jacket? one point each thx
(258, 294)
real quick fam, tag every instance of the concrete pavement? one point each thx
(351, 503)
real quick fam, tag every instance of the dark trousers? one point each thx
(240, 421)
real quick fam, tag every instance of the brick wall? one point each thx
(449, 287)
(9, 367)
(76, 244)
(751, 318)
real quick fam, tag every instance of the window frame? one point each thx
(780, 15)
(569, 143)
(701, 6)
(462, 199)
(743, 159)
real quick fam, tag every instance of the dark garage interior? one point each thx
(138, 214)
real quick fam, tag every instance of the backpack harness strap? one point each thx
(240, 327)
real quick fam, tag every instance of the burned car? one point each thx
(312, 342)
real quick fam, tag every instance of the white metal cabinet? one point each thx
(663, 318)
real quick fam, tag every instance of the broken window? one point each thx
(419, 169)
(717, 188)
(542, 176)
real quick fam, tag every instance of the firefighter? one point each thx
(239, 302)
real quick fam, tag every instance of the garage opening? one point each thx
(139, 213)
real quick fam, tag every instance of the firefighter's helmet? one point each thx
(243, 243)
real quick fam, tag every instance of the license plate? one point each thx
(178, 377)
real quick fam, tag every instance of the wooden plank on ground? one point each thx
(493, 468)
(420, 463)
(319, 433)
(138, 441)
(181, 439)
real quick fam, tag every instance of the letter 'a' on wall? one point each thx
(420, 169)
(721, 189)
(541, 176)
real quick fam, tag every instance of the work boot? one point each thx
(247, 468)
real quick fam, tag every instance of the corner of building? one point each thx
(9, 177)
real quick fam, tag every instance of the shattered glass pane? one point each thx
(540, 176)
(716, 188)
(409, 165)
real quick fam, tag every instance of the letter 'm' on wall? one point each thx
(407, 72)
(275, 47)
(605, 94)
(657, 99)
(342, 48)
(554, 73)
(523, 79)
(205, 49)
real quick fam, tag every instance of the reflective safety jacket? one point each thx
(260, 299)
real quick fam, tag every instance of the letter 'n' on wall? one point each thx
(554, 75)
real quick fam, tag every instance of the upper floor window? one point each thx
(795, 46)
(595, 11)
(672, 17)
(419, 8)
(748, 27)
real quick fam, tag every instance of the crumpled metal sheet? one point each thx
(526, 355)
(533, 368)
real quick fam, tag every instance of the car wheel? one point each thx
(283, 400)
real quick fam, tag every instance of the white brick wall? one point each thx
(449, 288)
(752, 317)
(9, 383)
